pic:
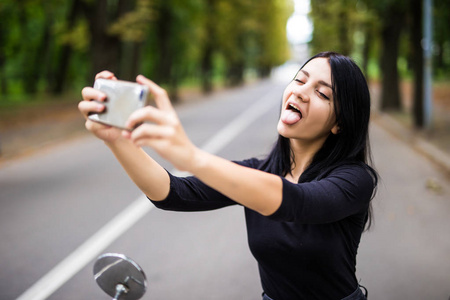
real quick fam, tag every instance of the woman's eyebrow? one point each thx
(320, 81)
(325, 84)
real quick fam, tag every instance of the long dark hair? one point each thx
(351, 145)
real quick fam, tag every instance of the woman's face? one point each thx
(307, 112)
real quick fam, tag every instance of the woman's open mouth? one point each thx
(291, 114)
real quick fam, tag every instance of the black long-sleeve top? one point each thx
(307, 248)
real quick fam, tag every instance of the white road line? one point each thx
(241, 122)
(88, 250)
(91, 248)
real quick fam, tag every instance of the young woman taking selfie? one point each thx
(306, 204)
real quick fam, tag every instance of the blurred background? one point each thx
(217, 59)
(50, 49)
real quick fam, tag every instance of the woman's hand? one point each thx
(91, 103)
(161, 129)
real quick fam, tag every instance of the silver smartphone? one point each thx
(122, 99)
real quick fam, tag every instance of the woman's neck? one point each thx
(303, 156)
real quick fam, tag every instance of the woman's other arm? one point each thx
(162, 131)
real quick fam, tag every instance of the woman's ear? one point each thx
(335, 129)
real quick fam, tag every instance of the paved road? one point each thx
(53, 202)
(407, 254)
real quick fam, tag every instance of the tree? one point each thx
(35, 27)
(132, 28)
(234, 22)
(416, 34)
(174, 42)
(5, 44)
(104, 47)
(69, 40)
(270, 35)
(335, 22)
(209, 45)
(393, 17)
(56, 45)
(441, 37)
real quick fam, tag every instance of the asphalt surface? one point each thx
(54, 201)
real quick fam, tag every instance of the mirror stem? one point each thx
(120, 289)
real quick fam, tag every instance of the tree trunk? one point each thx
(135, 60)
(235, 73)
(3, 80)
(35, 69)
(366, 50)
(173, 88)
(439, 57)
(59, 80)
(390, 95)
(236, 64)
(126, 50)
(164, 68)
(207, 69)
(417, 62)
(207, 57)
(164, 65)
(105, 49)
(264, 71)
(345, 43)
(59, 77)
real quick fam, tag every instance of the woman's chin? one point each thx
(284, 130)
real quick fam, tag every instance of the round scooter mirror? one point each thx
(120, 277)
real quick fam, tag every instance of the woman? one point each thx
(306, 204)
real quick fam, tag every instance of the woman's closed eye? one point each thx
(322, 95)
(299, 81)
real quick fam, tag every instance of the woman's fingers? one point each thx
(91, 103)
(86, 107)
(147, 132)
(89, 93)
(106, 75)
(160, 128)
(161, 98)
(154, 115)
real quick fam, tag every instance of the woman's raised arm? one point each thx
(146, 173)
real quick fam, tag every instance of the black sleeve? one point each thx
(191, 194)
(346, 191)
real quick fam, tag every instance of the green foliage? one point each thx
(270, 33)
(344, 26)
(384, 37)
(134, 26)
(442, 38)
(77, 37)
(362, 21)
(53, 45)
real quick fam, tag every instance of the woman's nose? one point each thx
(302, 93)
